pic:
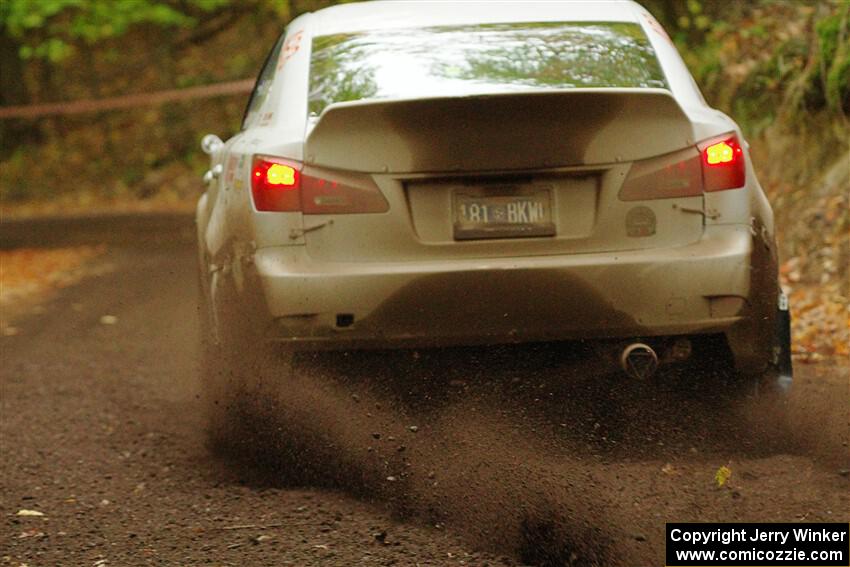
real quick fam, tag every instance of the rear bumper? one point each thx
(693, 289)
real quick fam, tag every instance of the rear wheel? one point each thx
(712, 367)
(775, 382)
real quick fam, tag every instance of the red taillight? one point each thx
(714, 165)
(280, 185)
(275, 184)
(723, 165)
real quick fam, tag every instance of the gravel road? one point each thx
(514, 455)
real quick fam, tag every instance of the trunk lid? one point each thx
(565, 152)
(527, 130)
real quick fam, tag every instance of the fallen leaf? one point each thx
(24, 512)
(722, 475)
(669, 469)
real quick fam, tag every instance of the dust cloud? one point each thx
(523, 449)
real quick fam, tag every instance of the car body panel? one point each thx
(669, 290)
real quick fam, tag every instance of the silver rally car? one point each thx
(434, 173)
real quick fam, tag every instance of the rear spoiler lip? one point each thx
(375, 102)
(316, 150)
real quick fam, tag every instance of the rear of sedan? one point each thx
(492, 173)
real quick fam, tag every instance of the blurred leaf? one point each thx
(722, 475)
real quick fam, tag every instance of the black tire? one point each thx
(774, 383)
(711, 371)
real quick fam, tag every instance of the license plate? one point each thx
(509, 214)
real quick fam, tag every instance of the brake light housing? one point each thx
(723, 163)
(677, 174)
(716, 164)
(275, 184)
(281, 185)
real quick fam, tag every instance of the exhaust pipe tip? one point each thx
(639, 361)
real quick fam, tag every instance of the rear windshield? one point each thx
(491, 58)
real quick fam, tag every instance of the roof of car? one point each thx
(384, 14)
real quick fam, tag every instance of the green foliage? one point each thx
(765, 61)
(834, 42)
(694, 18)
(49, 29)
